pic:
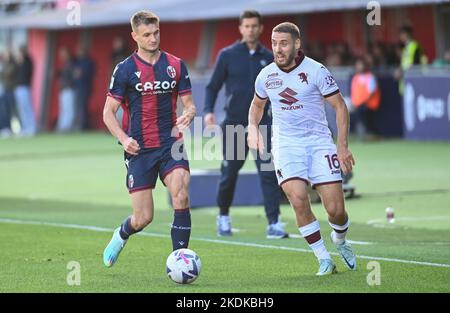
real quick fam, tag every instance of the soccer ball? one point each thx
(183, 266)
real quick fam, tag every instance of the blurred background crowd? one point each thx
(54, 75)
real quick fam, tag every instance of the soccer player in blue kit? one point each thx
(147, 85)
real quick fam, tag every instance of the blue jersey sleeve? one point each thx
(118, 84)
(185, 82)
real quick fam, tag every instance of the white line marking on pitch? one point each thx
(237, 243)
(353, 242)
(410, 218)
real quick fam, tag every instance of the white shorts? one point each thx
(314, 163)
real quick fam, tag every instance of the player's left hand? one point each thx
(255, 139)
(346, 160)
(183, 122)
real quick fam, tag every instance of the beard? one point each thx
(287, 59)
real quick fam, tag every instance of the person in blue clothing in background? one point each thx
(237, 66)
(84, 72)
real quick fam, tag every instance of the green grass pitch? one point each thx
(61, 195)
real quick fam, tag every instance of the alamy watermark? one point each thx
(374, 276)
(73, 17)
(232, 137)
(374, 16)
(73, 277)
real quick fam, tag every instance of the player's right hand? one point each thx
(346, 159)
(210, 120)
(131, 146)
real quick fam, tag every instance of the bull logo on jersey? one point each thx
(303, 77)
(288, 96)
(171, 71)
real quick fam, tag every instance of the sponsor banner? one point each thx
(426, 107)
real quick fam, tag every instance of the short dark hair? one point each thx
(407, 29)
(143, 17)
(289, 28)
(250, 14)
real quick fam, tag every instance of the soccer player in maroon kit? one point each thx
(147, 85)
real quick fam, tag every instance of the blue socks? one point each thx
(180, 232)
(181, 229)
(126, 230)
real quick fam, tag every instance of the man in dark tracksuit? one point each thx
(237, 66)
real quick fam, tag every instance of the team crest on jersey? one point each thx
(303, 77)
(130, 181)
(171, 71)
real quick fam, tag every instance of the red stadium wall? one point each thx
(183, 40)
(70, 39)
(347, 26)
(37, 47)
(227, 32)
(325, 28)
(421, 18)
(353, 31)
(100, 53)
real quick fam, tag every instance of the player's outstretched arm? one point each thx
(109, 118)
(345, 157)
(255, 139)
(189, 112)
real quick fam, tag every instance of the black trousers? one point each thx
(235, 151)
